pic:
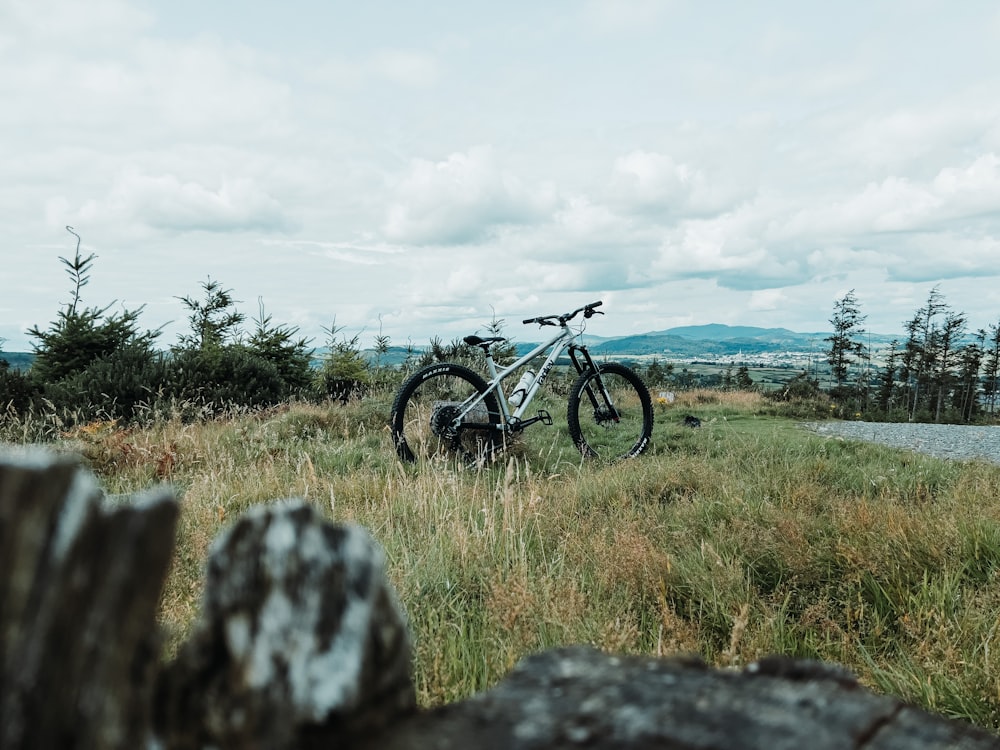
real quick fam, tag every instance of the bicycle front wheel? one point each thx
(426, 407)
(610, 413)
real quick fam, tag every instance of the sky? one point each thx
(419, 169)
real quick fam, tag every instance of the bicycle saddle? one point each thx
(478, 341)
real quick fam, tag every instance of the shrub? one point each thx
(16, 390)
(800, 388)
(115, 386)
(223, 376)
(291, 357)
(344, 371)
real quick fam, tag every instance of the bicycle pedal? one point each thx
(544, 417)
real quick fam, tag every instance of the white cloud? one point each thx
(829, 260)
(650, 182)
(356, 253)
(140, 92)
(465, 282)
(971, 190)
(164, 202)
(934, 256)
(204, 87)
(581, 220)
(69, 24)
(767, 299)
(653, 179)
(406, 68)
(624, 15)
(403, 68)
(897, 204)
(943, 227)
(908, 141)
(732, 245)
(461, 200)
(545, 277)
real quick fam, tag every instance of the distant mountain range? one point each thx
(683, 342)
(718, 340)
(713, 339)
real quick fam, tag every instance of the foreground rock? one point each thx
(301, 644)
(577, 697)
(79, 590)
(299, 636)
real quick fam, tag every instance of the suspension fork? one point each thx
(575, 352)
(582, 361)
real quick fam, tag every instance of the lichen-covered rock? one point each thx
(79, 590)
(299, 635)
(578, 697)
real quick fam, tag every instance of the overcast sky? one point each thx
(433, 164)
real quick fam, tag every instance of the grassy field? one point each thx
(744, 537)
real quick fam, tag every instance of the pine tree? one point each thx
(278, 345)
(504, 352)
(80, 336)
(344, 371)
(920, 354)
(381, 346)
(947, 355)
(845, 347)
(991, 373)
(727, 378)
(965, 396)
(887, 379)
(743, 380)
(214, 322)
(213, 368)
(658, 374)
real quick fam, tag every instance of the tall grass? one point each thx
(744, 537)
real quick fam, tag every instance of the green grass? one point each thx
(744, 537)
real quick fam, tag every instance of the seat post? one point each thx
(485, 345)
(490, 364)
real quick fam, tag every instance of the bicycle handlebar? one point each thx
(547, 320)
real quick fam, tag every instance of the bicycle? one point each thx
(448, 408)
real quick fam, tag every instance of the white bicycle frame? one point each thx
(559, 343)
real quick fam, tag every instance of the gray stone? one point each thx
(579, 697)
(299, 636)
(79, 591)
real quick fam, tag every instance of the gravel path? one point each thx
(960, 442)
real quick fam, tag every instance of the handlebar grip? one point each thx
(592, 305)
(529, 320)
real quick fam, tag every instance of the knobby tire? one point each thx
(597, 430)
(423, 406)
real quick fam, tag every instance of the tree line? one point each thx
(940, 372)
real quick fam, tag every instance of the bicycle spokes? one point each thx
(610, 413)
(429, 417)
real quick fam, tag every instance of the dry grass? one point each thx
(741, 538)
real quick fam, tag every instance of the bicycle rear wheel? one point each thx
(610, 413)
(425, 410)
